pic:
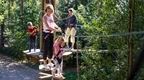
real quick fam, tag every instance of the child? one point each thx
(57, 54)
(32, 31)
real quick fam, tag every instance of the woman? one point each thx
(49, 27)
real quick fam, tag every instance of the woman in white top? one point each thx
(49, 27)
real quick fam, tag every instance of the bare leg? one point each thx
(67, 35)
(73, 33)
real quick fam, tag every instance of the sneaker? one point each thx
(72, 49)
(41, 60)
(42, 66)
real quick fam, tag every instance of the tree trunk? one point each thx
(51, 2)
(2, 35)
(9, 5)
(41, 38)
(21, 11)
(130, 42)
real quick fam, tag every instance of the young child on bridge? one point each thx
(32, 32)
(57, 54)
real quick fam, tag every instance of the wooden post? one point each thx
(41, 39)
(9, 6)
(77, 59)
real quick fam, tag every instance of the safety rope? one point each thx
(115, 35)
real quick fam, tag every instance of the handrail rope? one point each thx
(114, 35)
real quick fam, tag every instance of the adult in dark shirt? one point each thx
(71, 28)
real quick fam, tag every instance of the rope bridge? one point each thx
(136, 66)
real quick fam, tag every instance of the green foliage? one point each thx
(70, 75)
(12, 52)
(108, 17)
(97, 17)
(15, 29)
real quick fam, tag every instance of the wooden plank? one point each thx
(32, 56)
(44, 75)
(83, 50)
(76, 50)
(41, 60)
(67, 53)
(36, 52)
(58, 77)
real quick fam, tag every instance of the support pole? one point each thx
(77, 59)
(21, 11)
(41, 39)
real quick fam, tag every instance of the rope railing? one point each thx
(114, 35)
(138, 64)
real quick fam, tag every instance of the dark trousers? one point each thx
(48, 45)
(59, 60)
(32, 44)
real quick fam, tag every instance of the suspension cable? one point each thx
(116, 34)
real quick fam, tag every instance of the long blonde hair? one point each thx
(60, 38)
(49, 6)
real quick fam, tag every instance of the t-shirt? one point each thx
(71, 20)
(33, 32)
(50, 22)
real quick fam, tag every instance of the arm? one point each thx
(66, 22)
(58, 28)
(62, 44)
(75, 21)
(35, 31)
(56, 50)
(28, 32)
